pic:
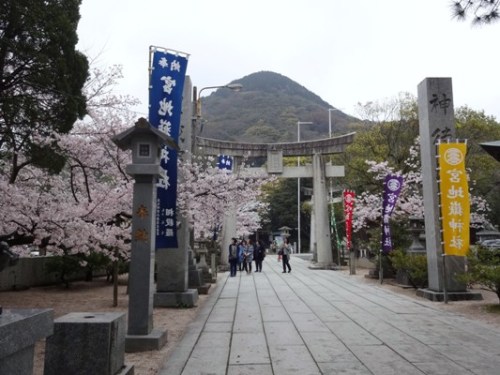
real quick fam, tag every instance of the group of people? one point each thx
(243, 253)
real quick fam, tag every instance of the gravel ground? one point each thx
(98, 296)
(486, 310)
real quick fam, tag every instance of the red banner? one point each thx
(349, 197)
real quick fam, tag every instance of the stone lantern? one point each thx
(146, 142)
(416, 228)
(284, 231)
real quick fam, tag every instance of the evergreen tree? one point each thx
(42, 76)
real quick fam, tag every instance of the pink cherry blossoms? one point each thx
(410, 202)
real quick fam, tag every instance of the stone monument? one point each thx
(145, 142)
(20, 329)
(437, 122)
(87, 344)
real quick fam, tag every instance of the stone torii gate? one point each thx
(275, 152)
(172, 287)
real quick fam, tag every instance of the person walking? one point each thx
(241, 254)
(286, 249)
(277, 249)
(248, 257)
(233, 257)
(259, 254)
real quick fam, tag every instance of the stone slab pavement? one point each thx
(312, 322)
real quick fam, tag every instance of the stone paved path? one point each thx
(324, 322)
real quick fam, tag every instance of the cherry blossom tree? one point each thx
(206, 193)
(368, 206)
(86, 206)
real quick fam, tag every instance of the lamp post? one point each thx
(230, 216)
(330, 110)
(197, 103)
(298, 184)
(197, 98)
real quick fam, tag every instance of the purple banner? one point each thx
(392, 188)
(168, 71)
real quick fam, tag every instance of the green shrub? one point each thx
(413, 265)
(483, 268)
(67, 266)
(64, 266)
(388, 269)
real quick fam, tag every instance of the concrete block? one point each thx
(19, 331)
(437, 296)
(189, 298)
(155, 340)
(87, 344)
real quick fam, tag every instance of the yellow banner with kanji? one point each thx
(455, 204)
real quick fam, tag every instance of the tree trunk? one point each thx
(115, 283)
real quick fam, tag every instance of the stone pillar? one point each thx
(202, 252)
(312, 238)
(19, 331)
(172, 287)
(141, 275)
(352, 262)
(145, 141)
(87, 344)
(213, 267)
(437, 121)
(322, 228)
(228, 232)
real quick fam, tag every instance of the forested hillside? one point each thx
(267, 110)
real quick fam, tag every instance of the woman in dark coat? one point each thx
(259, 253)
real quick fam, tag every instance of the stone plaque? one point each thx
(275, 161)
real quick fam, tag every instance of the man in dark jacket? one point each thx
(233, 257)
(259, 254)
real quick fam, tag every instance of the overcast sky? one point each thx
(345, 51)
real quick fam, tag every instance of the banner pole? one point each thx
(380, 269)
(445, 288)
(334, 227)
(169, 50)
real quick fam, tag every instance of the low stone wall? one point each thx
(29, 272)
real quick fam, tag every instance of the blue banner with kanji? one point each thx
(392, 187)
(225, 162)
(168, 72)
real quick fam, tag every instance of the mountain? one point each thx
(267, 110)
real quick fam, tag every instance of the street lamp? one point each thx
(298, 184)
(330, 110)
(197, 98)
(230, 215)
